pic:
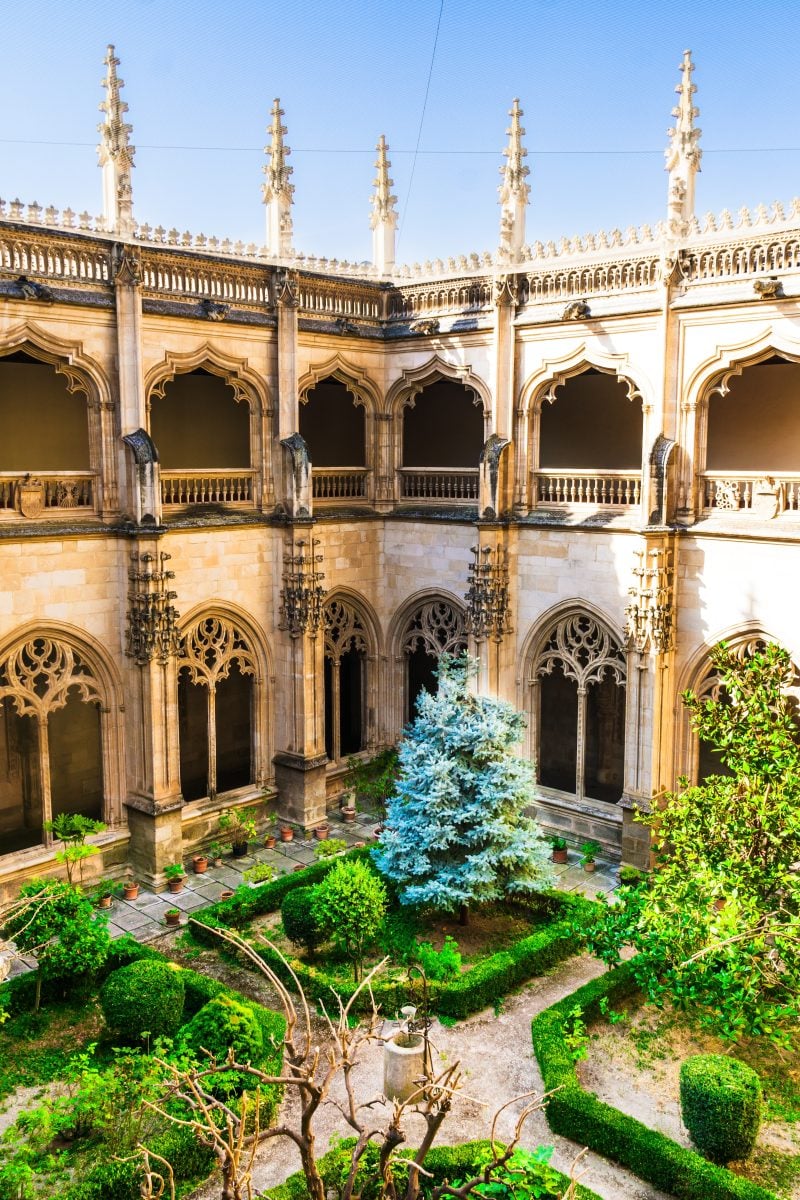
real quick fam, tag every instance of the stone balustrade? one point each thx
(339, 483)
(218, 486)
(599, 489)
(29, 495)
(439, 485)
(750, 491)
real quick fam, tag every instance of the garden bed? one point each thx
(507, 945)
(578, 1113)
(60, 1053)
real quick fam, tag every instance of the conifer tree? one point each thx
(455, 832)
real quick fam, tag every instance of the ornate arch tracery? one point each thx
(584, 649)
(437, 627)
(345, 633)
(37, 677)
(344, 630)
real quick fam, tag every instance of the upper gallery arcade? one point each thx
(248, 497)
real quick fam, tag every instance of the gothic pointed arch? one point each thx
(574, 684)
(429, 624)
(60, 726)
(336, 418)
(85, 477)
(357, 381)
(205, 426)
(404, 391)
(224, 708)
(350, 674)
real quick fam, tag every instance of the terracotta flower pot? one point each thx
(269, 841)
(287, 833)
(348, 814)
(322, 832)
(589, 866)
(175, 885)
(200, 864)
(104, 902)
(172, 918)
(560, 856)
(300, 867)
(225, 894)
(130, 891)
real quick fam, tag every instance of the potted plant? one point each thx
(559, 848)
(330, 847)
(175, 875)
(270, 839)
(173, 916)
(262, 872)
(200, 863)
(130, 889)
(102, 892)
(321, 832)
(589, 852)
(226, 894)
(240, 826)
(286, 833)
(216, 851)
(347, 809)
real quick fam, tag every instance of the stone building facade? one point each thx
(247, 498)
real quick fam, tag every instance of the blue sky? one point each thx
(591, 77)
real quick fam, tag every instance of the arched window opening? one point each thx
(201, 428)
(443, 435)
(752, 457)
(706, 757)
(44, 435)
(577, 681)
(437, 627)
(215, 709)
(590, 442)
(51, 758)
(345, 681)
(333, 425)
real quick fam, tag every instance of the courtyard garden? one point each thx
(642, 1045)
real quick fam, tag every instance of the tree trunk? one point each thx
(463, 915)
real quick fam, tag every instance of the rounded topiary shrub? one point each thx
(145, 997)
(300, 921)
(720, 1105)
(222, 1025)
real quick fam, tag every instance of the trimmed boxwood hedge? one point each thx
(477, 988)
(578, 1114)
(444, 1163)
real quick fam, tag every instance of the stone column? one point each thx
(132, 400)
(506, 292)
(286, 299)
(154, 799)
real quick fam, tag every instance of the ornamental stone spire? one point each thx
(383, 220)
(115, 153)
(683, 153)
(513, 191)
(278, 191)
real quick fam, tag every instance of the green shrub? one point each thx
(107, 1181)
(145, 997)
(222, 1025)
(329, 847)
(439, 964)
(721, 1105)
(350, 905)
(300, 921)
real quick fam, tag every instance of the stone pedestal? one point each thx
(403, 1065)
(300, 780)
(156, 840)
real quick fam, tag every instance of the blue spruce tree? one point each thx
(455, 833)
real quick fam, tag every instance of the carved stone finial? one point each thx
(115, 152)
(513, 191)
(683, 153)
(383, 221)
(277, 192)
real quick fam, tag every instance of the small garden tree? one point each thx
(718, 928)
(455, 833)
(349, 906)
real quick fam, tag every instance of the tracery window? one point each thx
(216, 670)
(50, 740)
(346, 650)
(437, 627)
(577, 680)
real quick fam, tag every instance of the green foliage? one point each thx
(455, 832)
(718, 925)
(329, 847)
(590, 850)
(720, 1105)
(374, 781)
(61, 930)
(557, 841)
(576, 1038)
(631, 876)
(143, 999)
(581, 1116)
(73, 829)
(350, 905)
(174, 871)
(262, 872)
(439, 964)
(221, 1026)
(301, 922)
(238, 824)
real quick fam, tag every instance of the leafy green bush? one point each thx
(439, 964)
(581, 1116)
(145, 997)
(300, 919)
(329, 847)
(721, 1105)
(107, 1181)
(350, 905)
(222, 1025)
